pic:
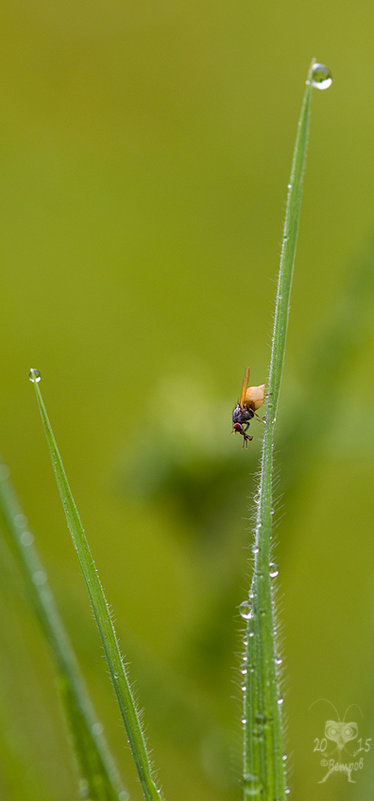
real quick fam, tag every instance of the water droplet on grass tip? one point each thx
(34, 375)
(246, 610)
(321, 76)
(273, 570)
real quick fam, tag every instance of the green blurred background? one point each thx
(145, 154)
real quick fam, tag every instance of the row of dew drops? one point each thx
(321, 78)
(252, 784)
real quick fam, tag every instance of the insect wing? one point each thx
(244, 387)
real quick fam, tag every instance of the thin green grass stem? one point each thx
(102, 615)
(97, 767)
(264, 759)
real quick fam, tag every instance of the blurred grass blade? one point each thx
(101, 611)
(264, 764)
(98, 771)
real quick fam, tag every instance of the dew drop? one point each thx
(280, 700)
(39, 578)
(278, 660)
(244, 720)
(34, 375)
(97, 729)
(255, 550)
(321, 76)
(273, 570)
(246, 610)
(252, 784)
(27, 538)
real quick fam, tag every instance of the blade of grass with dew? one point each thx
(97, 768)
(101, 611)
(263, 759)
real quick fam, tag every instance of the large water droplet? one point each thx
(34, 375)
(246, 610)
(321, 76)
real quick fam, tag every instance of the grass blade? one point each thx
(101, 611)
(264, 765)
(96, 765)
